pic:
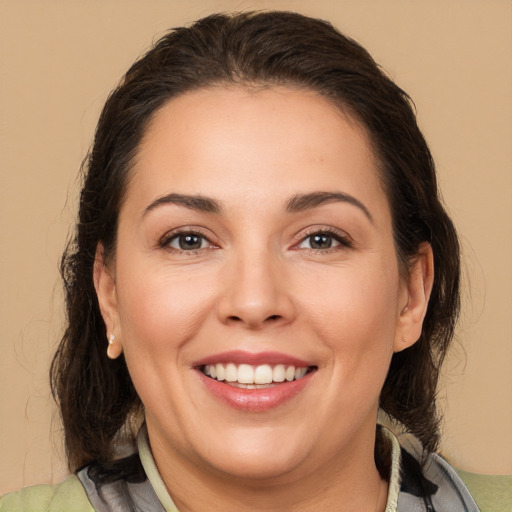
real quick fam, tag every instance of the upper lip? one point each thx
(253, 358)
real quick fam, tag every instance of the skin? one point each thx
(256, 284)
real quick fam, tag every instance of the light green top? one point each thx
(491, 493)
(68, 496)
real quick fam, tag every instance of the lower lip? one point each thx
(255, 400)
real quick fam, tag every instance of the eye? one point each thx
(188, 241)
(323, 240)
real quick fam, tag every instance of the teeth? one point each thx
(219, 370)
(263, 374)
(299, 373)
(278, 373)
(247, 376)
(231, 373)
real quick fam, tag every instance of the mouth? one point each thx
(255, 382)
(246, 376)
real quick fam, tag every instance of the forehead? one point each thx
(234, 143)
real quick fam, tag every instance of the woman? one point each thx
(261, 262)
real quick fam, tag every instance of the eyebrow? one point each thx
(302, 202)
(197, 202)
(297, 203)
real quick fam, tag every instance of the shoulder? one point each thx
(491, 492)
(431, 483)
(68, 496)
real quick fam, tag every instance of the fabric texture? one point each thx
(433, 486)
(68, 496)
(133, 484)
(492, 493)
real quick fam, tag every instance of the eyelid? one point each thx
(164, 241)
(344, 239)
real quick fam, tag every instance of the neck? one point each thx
(349, 482)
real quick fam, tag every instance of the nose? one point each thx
(255, 292)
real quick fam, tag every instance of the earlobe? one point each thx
(115, 348)
(419, 284)
(105, 286)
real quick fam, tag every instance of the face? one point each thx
(255, 290)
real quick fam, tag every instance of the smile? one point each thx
(253, 377)
(254, 382)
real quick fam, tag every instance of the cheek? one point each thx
(356, 317)
(162, 310)
(362, 298)
(160, 316)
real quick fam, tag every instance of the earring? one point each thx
(114, 349)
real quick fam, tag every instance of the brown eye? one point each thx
(188, 242)
(324, 240)
(320, 241)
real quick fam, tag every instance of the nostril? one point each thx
(274, 317)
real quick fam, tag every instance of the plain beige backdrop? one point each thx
(60, 58)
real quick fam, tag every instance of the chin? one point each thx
(261, 467)
(260, 459)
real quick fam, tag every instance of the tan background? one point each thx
(60, 58)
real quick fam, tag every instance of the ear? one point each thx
(417, 289)
(105, 285)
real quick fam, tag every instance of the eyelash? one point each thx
(344, 241)
(170, 237)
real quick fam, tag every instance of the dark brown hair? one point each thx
(96, 395)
